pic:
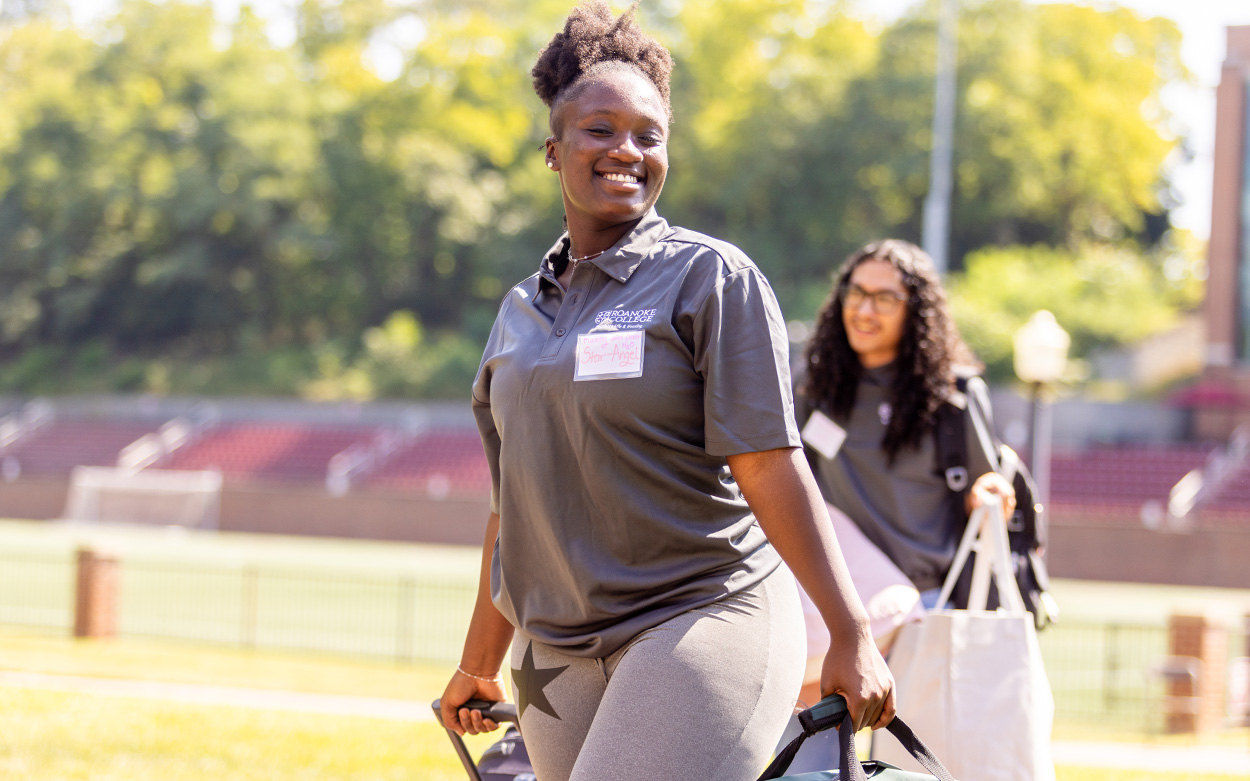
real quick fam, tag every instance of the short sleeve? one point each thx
(742, 352)
(484, 416)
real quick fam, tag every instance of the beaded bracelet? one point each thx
(496, 678)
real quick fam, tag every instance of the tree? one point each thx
(153, 183)
(1101, 294)
(1060, 136)
(167, 190)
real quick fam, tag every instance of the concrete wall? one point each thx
(1078, 424)
(363, 514)
(298, 509)
(1134, 554)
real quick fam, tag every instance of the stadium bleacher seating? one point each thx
(1110, 483)
(56, 448)
(270, 451)
(1120, 478)
(448, 461)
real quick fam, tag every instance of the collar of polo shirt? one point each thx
(623, 258)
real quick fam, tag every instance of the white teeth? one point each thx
(627, 178)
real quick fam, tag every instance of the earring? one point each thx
(550, 164)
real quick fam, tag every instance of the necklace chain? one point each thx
(591, 256)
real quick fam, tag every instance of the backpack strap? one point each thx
(978, 399)
(952, 442)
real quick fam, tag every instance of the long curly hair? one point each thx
(929, 351)
(594, 41)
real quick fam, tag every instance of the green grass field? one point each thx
(51, 735)
(389, 600)
(54, 735)
(382, 620)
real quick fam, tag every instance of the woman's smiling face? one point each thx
(611, 150)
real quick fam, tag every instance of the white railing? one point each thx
(18, 425)
(1200, 485)
(179, 432)
(350, 465)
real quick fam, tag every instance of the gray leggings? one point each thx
(704, 695)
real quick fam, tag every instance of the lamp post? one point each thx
(937, 204)
(1040, 356)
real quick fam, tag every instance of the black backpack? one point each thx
(1026, 529)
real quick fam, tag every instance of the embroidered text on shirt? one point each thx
(626, 318)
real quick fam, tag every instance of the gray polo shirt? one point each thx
(617, 508)
(906, 509)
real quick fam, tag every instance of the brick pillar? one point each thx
(95, 600)
(1201, 638)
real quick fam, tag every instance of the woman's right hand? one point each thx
(462, 688)
(486, 645)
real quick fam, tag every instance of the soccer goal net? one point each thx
(157, 497)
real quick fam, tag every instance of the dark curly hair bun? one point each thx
(592, 37)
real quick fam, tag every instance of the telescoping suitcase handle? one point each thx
(832, 712)
(495, 711)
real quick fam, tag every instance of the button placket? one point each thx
(570, 309)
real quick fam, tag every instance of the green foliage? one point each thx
(213, 212)
(396, 361)
(1060, 136)
(1100, 294)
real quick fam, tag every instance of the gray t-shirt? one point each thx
(905, 509)
(617, 508)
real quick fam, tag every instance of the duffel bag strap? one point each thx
(826, 714)
(914, 746)
(832, 712)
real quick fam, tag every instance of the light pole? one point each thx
(1040, 358)
(937, 204)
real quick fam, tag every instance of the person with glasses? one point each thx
(883, 360)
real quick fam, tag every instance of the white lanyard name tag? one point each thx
(609, 355)
(825, 436)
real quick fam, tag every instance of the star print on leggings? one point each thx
(530, 683)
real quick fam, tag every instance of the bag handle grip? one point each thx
(832, 712)
(495, 711)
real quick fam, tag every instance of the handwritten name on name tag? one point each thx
(609, 356)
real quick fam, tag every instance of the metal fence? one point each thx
(1102, 672)
(1098, 672)
(401, 616)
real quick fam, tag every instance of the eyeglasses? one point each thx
(884, 302)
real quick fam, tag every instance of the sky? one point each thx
(1202, 24)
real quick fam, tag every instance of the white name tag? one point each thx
(609, 355)
(825, 436)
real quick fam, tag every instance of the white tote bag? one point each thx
(971, 682)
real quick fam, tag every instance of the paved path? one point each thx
(265, 699)
(1224, 760)
(1137, 756)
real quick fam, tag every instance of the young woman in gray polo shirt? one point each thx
(634, 404)
(881, 364)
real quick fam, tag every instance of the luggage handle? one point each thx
(832, 712)
(495, 711)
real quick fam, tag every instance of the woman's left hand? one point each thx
(989, 487)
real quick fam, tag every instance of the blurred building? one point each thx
(1221, 400)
